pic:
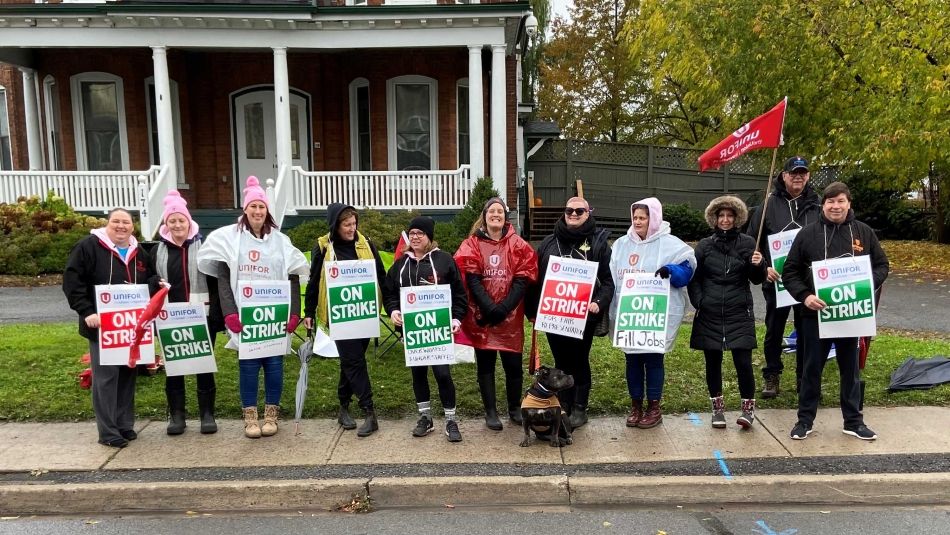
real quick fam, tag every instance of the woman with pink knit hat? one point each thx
(254, 249)
(176, 260)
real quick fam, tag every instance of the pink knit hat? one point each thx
(254, 192)
(176, 204)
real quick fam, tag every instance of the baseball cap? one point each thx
(796, 162)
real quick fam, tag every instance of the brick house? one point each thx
(363, 101)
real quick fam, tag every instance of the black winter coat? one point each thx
(720, 293)
(407, 271)
(782, 211)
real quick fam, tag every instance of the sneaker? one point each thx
(800, 431)
(860, 431)
(452, 431)
(423, 426)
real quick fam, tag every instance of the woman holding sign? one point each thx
(423, 264)
(254, 250)
(719, 291)
(176, 260)
(649, 247)
(110, 256)
(498, 266)
(344, 242)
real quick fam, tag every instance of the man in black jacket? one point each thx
(792, 204)
(836, 235)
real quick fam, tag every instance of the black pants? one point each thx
(816, 354)
(113, 396)
(514, 372)
(775, 320)
(354, 375)
(572, 356)
(742, 359)
(443, 378)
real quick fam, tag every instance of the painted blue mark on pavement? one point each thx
(764, 529)
(722, 464)
(695, 418)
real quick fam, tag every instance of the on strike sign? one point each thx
(186, 343)
(641, 313)
(265, 310)
(352, 302)
(427, 324)
(565, 296)
(779, 246)
(847, 287)
(119, 307)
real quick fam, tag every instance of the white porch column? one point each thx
(32, 116)
(476, 112)
(163, 114)
(499, 108)
(282, 109)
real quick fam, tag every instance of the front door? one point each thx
(255, 135)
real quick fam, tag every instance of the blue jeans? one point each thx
(649, 366)
(273, 380)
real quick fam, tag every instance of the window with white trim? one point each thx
(464, 148)
(53, 116)
(360, 148)
(99, 122)
(153, 149)
(6, 152)
(412, 119)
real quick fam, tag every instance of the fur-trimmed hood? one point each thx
(727, 201)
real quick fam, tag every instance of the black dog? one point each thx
(541, 410)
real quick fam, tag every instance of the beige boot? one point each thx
(251, 428)
(271, 412)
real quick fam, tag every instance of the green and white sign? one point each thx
(352, 300)
(846, 286)
(427, 325)
(641, 321)
(186, 343)
(265, 310)
(779, 245)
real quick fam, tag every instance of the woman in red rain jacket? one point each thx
(497, 266)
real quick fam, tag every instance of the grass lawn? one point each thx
(39, 365)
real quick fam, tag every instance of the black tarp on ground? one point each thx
(920, 374)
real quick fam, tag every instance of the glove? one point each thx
(497, 314)
(233, 323)
(292, 323)
(663, 272)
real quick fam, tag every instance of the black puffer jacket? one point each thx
(720, 293)
(782, 211)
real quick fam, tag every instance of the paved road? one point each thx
(907, 304)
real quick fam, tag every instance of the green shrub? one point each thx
(686, 223)
(447, 236)
(304, 236)
(482, 191)
(382, 228)
(909, 222)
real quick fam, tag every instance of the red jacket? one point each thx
(498, 263)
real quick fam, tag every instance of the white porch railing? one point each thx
(382, 190)
(151, 198)
(85, 191)
(277, 195)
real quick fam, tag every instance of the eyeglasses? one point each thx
(416, 234)
(578, 211)
(799, 174)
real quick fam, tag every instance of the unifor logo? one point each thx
(411, 298)
(163, 315)
(334, 272)
(254, 255)
(631, 283)
(248, 291)
(494, 260)
(634, 258)
(822, 273)
(555, 267)
(776, 244)
(105, 298)
(741, 131)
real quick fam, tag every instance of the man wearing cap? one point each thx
(792, 205)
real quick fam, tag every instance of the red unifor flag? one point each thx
(401, 246)
(763, 132)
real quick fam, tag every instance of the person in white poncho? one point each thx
(253, 249)
(649, 247)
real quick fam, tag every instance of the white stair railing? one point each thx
(278, 194)
(150, 199)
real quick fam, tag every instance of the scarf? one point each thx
(574, 236)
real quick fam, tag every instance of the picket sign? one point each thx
(846, 285)
(265, 309)
(427, 325)
(119, 307)
(565, 296)
(779, 245)
(186, 342)
(642, 313)
(352, 299)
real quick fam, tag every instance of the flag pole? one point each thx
(765, 201)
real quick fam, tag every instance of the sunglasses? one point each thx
(577, 211)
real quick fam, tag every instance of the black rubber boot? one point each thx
(344, 419)
(206, 411)
(370, 425)
(486, 385)
(176, 412)
(578, 416)
(514, 393)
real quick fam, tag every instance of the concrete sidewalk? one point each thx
(59, 468)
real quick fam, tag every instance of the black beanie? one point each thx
(425, 224)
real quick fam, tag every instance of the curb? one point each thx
(437, 492)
